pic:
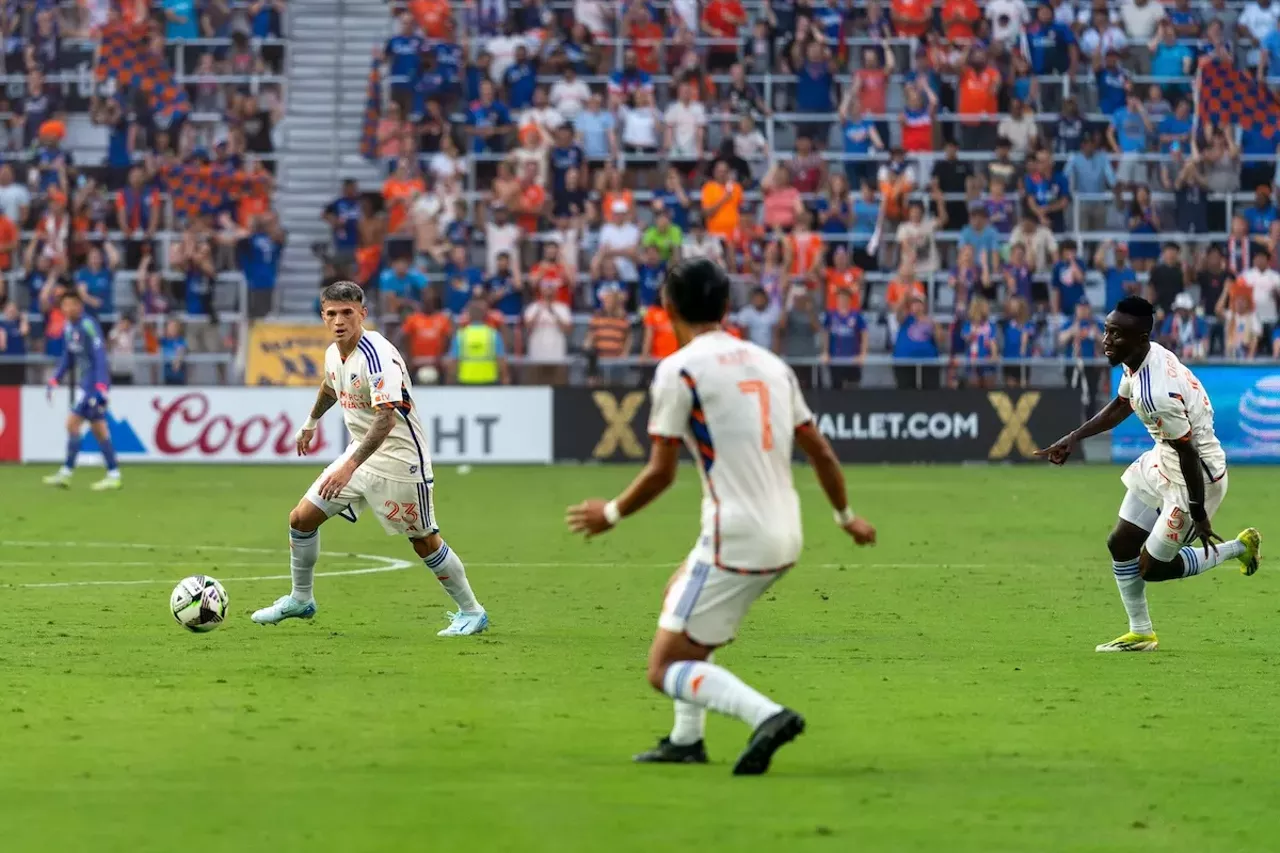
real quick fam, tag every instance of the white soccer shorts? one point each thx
(707, 603)
(1160, 506)
(403, 509)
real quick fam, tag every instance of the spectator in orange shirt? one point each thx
(911, 17)
(645, 37)
(959, 19)
(977, 103)
(722, 202)
(8, 245)
(903, 284)
(723, 19)
(551, 272)
(435, 17)
(843, 277)
(398, 192)
(426, 334)
(531, 203)
(659, 335)
(803, 251)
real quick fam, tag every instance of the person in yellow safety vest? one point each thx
(477, 352)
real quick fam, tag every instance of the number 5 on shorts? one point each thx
(761, 391)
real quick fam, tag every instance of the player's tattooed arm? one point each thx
(383, 421)
(324, 402)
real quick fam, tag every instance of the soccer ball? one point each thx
(199, 603)
(428, 375)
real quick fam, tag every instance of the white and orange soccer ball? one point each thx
(199, 603)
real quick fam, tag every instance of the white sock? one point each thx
(1194, 561)
(710, 686)
(1133, 592)
(113, 474)
(691, 721)
(449, 570)
(304, 550)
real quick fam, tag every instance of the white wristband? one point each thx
(611, 513)
(309, 423)
(844, 516)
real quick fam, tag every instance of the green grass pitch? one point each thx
(948, 675)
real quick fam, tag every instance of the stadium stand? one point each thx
(135, 166)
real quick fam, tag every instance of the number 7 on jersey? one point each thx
(760, 391)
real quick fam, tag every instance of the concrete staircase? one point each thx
(330, 50)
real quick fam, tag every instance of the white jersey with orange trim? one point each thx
(1173, 405)
(736, 406)
(374, 377)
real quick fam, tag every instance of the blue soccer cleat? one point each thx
(285, 607)
(464, 624)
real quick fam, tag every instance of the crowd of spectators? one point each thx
(159, 281)
(973, 181)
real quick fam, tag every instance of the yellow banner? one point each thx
(286, 354)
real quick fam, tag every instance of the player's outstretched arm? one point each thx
(831, 476)
(324, 402)
(596, 516)
(1111, 416)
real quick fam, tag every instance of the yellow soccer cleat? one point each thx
(1252, 556)
(1130, 642)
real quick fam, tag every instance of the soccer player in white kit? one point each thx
(1175, 488)
(385, 469)
(738, 409)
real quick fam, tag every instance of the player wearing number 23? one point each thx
(385, 469)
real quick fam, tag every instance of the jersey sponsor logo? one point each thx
(618, 435)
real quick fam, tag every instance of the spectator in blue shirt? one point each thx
(96, 280)
(1015, 334)
(1263, 212)
(173, 349)
(462, 280)
(504, 289)
(1112, 82)
(1051, 46)
(1269, 56)
(401, 283)
(1066, 281)
(564, 156)
(1128, 134)
(520, 79)
(916, 339)
(845, 339)
(343, 217)
(1047, 193)
(181, 20)
(488, 121)
(1080, 340)
(13, 341)
(1112, 260)
(475, 74)
(401, 55)
(594, 127)
(430, 83)
(979, 234)
(1175, 129)
(1169, 58)
(260, 250)
(815, 90)
(651, 272)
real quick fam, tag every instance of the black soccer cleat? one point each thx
(667, 752)
(771, 735)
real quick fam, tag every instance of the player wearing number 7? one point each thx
(385, 468)
(738, 409)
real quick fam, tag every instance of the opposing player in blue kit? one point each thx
(85, 350)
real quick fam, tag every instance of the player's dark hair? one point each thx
(1138, 308)
(699, 291)
(343, 291)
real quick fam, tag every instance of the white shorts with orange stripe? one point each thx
(402, 508)
(708, 603)
(1160, 506)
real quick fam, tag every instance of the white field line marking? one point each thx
(389, 564)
